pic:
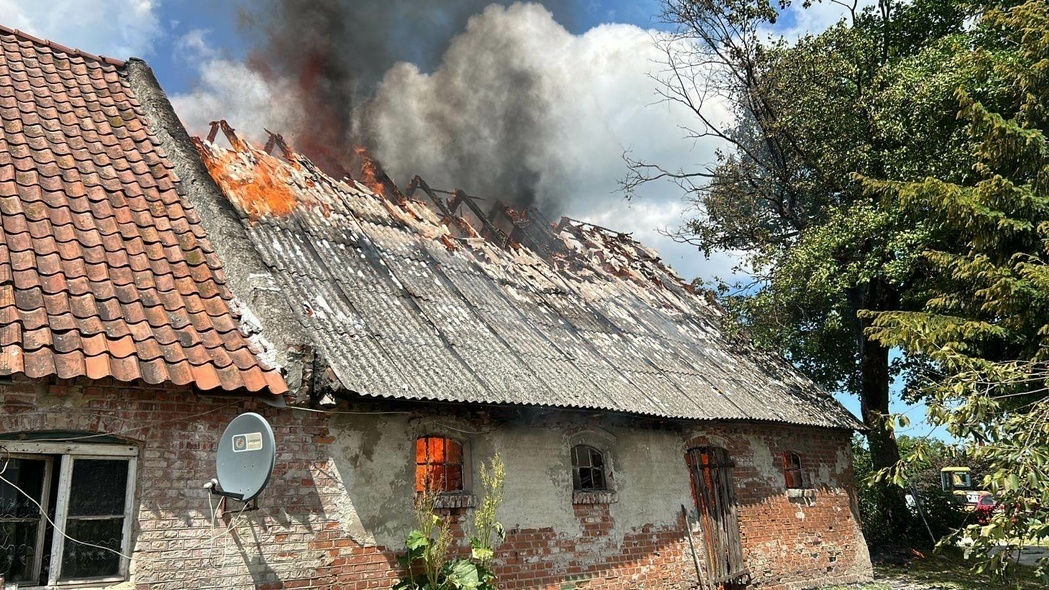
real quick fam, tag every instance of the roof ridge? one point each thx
(61, 48)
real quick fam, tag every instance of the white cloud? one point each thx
(114, 28)
(194, 46)
(815, 19)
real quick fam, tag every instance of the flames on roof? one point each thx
(262, 185)
(431, 294)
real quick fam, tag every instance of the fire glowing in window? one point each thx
(438, 464)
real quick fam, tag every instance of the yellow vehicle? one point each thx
(959, 481)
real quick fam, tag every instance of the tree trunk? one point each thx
(874, 406)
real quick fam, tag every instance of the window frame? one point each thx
(577, 476)
(70, 452)
(793, 467)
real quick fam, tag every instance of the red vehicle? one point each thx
(985, 506)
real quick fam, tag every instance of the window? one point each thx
(792, 471)
(588, 468)
(83, 490)
(438, 464)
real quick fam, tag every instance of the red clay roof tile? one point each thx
(68, 341)
(39, 363)
(10, 334)
(63, 321)
(205, 376)
(125, 369)
(181, 374)
(70, 364)
(104, 271)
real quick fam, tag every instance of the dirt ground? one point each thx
(940, 572)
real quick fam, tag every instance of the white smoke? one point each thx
(248, 101)
(598, 98)
(589, 98)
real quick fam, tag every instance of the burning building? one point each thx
(152, 286)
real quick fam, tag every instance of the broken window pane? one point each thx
(436, 454)
(792, 473)
(99, 487)
(586, 479)
(588, 471)
(454, 453)
(598, 475)
(420, 478)
(420, 452)
(438, 479)
(454, 477)
(101, 557)
(438, 464)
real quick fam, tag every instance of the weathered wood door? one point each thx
(711, 474)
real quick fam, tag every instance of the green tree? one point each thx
(940, 513)
(983, 328)
(809, 116)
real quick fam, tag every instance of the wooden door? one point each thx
(711, 474)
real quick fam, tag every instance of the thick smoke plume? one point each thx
(487, 119)
(504, 103)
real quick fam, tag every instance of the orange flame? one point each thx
(264, 189)
(519, 217)
(369, 176)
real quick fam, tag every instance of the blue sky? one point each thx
(197, 49)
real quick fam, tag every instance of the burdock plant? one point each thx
(426, 562)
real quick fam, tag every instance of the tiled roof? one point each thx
(405, 300)
(105, 271)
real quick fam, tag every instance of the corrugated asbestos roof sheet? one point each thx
(402, 302)
(104, 270)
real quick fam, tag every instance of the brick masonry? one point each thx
(321, 523)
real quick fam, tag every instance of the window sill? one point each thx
(450, 500)
(594, 497)
(82, 583)
(806, 496)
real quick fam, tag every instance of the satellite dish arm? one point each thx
(213, 487)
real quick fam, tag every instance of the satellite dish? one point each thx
(245, 458)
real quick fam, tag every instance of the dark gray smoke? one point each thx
(493, 117)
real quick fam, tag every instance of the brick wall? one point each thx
(340, 498)
(799, 538)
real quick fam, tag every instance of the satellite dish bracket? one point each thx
(214, 489)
